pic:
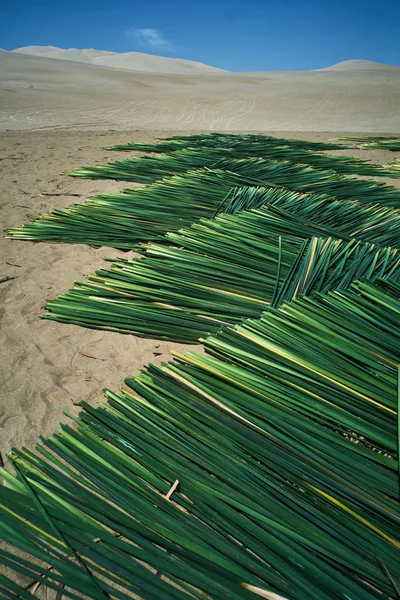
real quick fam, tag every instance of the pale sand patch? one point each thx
(43, 367)
(131, 61)
(46, 93)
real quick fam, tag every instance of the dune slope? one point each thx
(131, 61)
(45, 93)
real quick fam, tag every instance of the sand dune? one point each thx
(131, 61)
(361, 65)
(39, 93)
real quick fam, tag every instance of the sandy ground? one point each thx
(46, 94)
(131, 61)
(46, 366)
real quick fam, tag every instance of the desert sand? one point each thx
(55, 116)
(131, 61)
(40, 93)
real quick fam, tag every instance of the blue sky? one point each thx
(251, 35)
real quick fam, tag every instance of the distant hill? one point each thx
(360, 65)
(41, 93)
(130, 61)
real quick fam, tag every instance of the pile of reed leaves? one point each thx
(11, 589)
(125, 218)
(270, 493)
(227, 140)
(326, 215)
(392, 144)
(303, 178)
(268, 466)
(318, 160)
(379, 142)
(186, 193)
(217, 273)
(273, 173)
(121, 220)
(147, 169)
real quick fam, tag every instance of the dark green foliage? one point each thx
(268, 465)
(338, 218)
(216, 273)
(216, 140)
(379, 142)
(123, 219)
(272, 493)
(148, 169)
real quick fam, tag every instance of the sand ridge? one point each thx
(131, 61)
(39, 93)
(363, 65)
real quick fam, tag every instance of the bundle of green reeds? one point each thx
(338, 218)
(268, 468)
(216, 140)
(216, 273)
(318, 160)
(123, 219)
(148, 169)
(379, 142)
